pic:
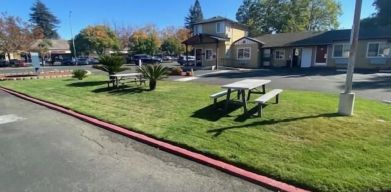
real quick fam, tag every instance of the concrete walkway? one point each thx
(43, 150)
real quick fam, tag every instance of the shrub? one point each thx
(80, 74)
(153, 73)
(111, 64)
(176, 71)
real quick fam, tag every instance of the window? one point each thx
(197, 29)
(220, 27)
(209, 54)
(379, 49)
(279, 54)
(266, 53)
(244, 53)
(341, 50)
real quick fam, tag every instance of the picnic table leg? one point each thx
(244, 101)
(227, 100)
(249, 94)
(264, 89)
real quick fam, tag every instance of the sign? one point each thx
(35, 60)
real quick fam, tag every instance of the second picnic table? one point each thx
(245, 85)
(119, 77)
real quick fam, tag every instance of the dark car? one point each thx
(68, 61)
(147, 59)
(182, 60)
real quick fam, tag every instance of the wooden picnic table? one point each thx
(242, 86)
(123, 76)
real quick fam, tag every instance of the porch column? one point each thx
(217, 54)
(187, 55)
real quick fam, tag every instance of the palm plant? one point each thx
(111, 64)
(153, 73)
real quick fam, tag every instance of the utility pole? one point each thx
(346, 99)
(73, 39)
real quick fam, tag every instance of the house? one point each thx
(296, 50)
(58, 49)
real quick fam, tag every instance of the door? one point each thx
(295, 57)
(321, 55)
(198, 57)
(306, 55)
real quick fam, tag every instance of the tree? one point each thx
(15, 35)
(382, 16)
(153, 73)
(97, 39)
(111, 64)
(42, 18)
(172, 40)
(195, 15)
(145, 40)
(43, 48)
(172, 46)
(267, 16)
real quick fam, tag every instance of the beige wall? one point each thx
(361, 60)
(220, 54)
(253, 62)
(281, 62)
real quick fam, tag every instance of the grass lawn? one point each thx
(300, 141)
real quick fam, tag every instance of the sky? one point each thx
(137, 13)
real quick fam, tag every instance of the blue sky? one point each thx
(139, 12)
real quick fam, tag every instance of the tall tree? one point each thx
(98, 38)
(195, 15)
(43, 48)
(15, 35)
(266, 16)
(381, 17)
(145, 40)
(42, 18)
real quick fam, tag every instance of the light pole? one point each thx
(73, 39)
(346, 99)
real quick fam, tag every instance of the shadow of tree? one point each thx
(379, 82)
(219, 131)
(87, 84)
(121, 90)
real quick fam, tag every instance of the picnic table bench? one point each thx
(131, 77)
(266, 97)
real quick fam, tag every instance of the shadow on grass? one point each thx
(219, 131)
(215, 112)
(122, 90)
(87, 83)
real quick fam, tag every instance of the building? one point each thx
(220, 41)
(58, 50)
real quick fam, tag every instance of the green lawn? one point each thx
(300, 141)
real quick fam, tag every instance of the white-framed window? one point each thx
(341, 50)
(197, 29)
(209, 54)
(279, 54)
(266, 53)
(220, 27)
(378, 50)
(244, 53)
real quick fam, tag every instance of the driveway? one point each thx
(44, 150)
(367, 84)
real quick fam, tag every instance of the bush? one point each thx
(79, 74)
(153, 73)
(111, 64)
(176, 71)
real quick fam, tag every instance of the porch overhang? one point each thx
(204, 39)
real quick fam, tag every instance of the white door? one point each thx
(306, 55)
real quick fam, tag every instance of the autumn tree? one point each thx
(172, 40)
(145, 41)
(98, 38)
(44, 20)
(195, 15)
(15, 35)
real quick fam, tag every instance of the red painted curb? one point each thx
(263, 180)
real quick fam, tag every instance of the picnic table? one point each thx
(249, 85)
(124, 76)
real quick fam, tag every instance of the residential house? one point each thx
(295, 50)
(58, 50)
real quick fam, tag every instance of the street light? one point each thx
(346, 99)
(73, 39)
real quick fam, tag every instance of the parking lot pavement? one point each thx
(43, 150)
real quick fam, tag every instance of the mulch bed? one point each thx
(32, 75)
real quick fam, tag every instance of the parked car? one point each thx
(3, 63)
(68, 61)
(145, 59)
(182, 60)
(94, 61)
(168, 58)
(83, 61)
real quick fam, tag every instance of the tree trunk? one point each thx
(9, 58)
(152, 85)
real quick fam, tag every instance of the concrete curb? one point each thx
(228, 168)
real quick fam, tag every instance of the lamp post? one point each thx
(73, 39)
(346, 99)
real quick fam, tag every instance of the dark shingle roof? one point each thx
(220, 18)
(320, 38)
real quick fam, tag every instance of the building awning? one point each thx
(204, 39)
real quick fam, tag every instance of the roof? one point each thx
(320, 38)
(251, 39)
(57, 44)
(203, 37)
(220, 18)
